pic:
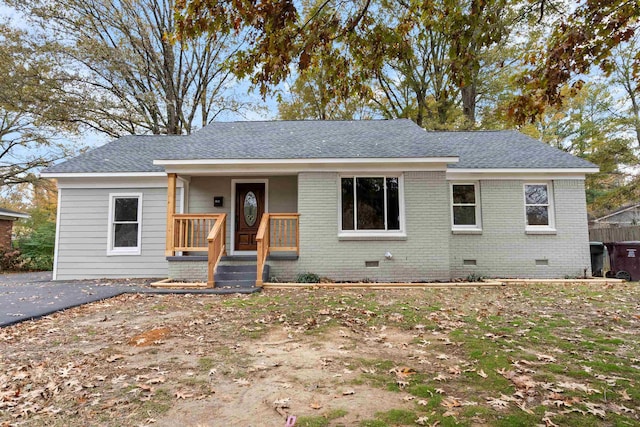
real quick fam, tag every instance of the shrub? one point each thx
(10, 260)
(475, 277)
(38, 247)
(307, 278)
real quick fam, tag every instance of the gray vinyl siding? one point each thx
(283, 195)
(505, 250)
(422, 255)
(82, 250)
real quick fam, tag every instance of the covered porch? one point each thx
(225, 218)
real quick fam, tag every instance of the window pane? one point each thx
(464, 194)
(536, 194)
(126, 209)
(250, 209)
(537, 215)
(347, 203)
(393, 204)
(126, 236)
(370, 199)
(464, 215)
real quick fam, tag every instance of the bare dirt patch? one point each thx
(525, 355)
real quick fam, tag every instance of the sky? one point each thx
(267, 108)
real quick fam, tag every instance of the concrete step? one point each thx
(236, 268)
(239, 275)
(235, 283)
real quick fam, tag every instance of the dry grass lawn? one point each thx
(526, 355)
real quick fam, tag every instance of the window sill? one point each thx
(541, 231)
(466, 231)
(371, 236)
(126, 253)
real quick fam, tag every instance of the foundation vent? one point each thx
(372, 264)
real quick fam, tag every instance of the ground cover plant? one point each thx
(518, 355)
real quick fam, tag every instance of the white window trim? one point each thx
(123, 251)
(551, 227)
(401, 233)
(476, 191)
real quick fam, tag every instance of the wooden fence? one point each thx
(615, 234)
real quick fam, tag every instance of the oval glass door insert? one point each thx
(250, 208)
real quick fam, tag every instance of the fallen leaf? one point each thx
(451, 402)
(115, 357)
(315, 405)
(546, 358)
(454, 370)
(594, 409)
(522, 406)
(422, 421)
(348, 392)
(498, 403)
(282, 403)
(441, 377)
(183, 395)
(482, 373)
(145, 387)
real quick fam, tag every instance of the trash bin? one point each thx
(597, 258)
(625, 260)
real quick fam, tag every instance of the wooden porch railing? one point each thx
(217, 248)
(278, 232)
(190, 231)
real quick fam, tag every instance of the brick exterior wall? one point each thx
(422, 255)
(505, 250)
(6, 228)
(188, 271)
(430, 251)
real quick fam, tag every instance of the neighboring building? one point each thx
(621, 217)
(7, 217)
(381, 200)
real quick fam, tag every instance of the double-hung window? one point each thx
(465, 206)
(538, 206)
(125, 224)
(371, 204)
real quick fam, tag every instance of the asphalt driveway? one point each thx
(25, 296)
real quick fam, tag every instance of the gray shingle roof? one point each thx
(506, 149)
(321, 140)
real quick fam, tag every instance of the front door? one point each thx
(249, 210)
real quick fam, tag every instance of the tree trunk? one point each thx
(469, 95)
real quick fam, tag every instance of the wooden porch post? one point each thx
(171, 210)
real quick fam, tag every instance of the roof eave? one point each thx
(13, 217)
(55, 175)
